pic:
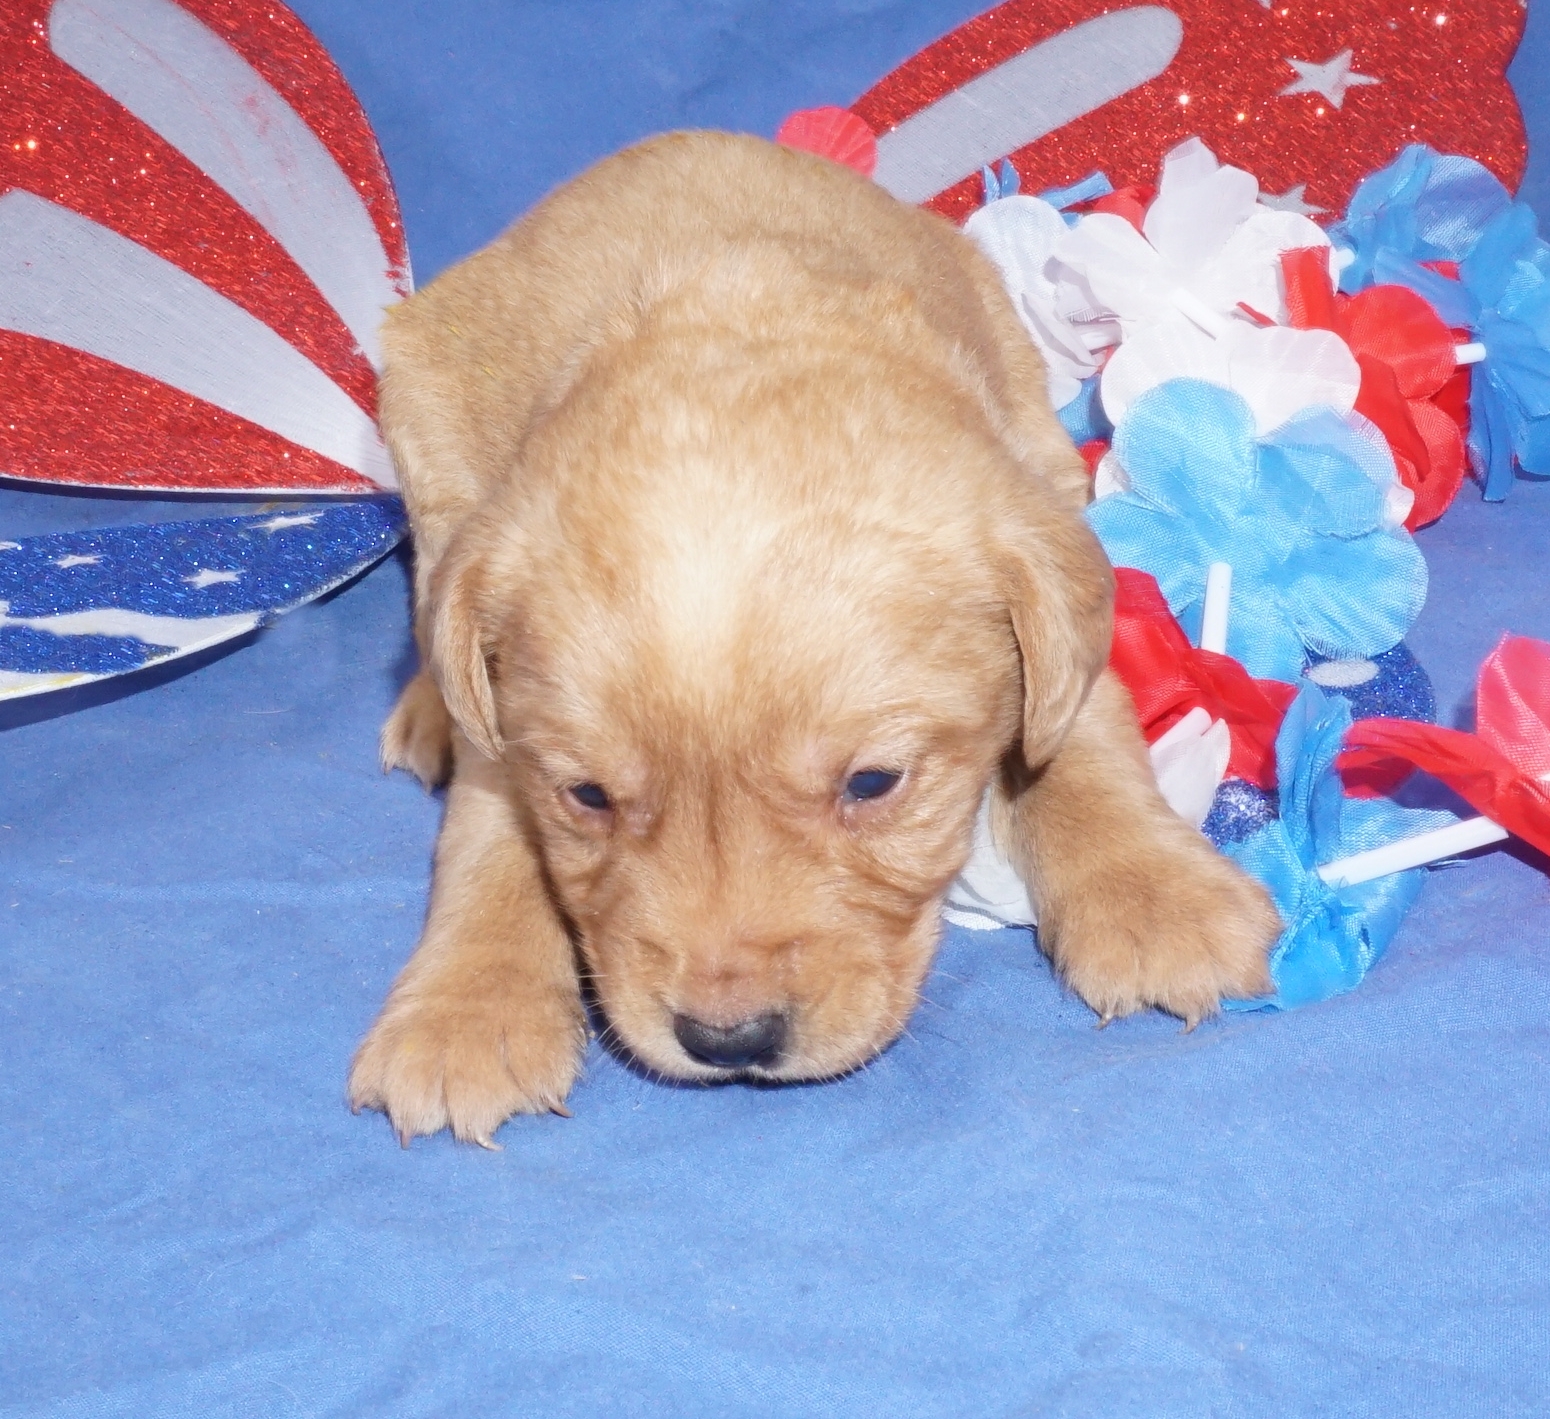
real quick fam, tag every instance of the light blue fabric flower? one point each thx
(1507, 274)
(1083, 418)
(1332, 938)
(1301, 523)
(1424, 206)
(1429, 207)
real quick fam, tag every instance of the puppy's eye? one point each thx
(591, 795)
(869, 783)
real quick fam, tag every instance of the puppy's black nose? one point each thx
(755, 1041)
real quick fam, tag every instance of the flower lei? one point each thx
(1255, 393)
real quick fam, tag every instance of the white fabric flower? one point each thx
(1276, 370)
(1207, 247)
(1189, 762)
(1019, 234)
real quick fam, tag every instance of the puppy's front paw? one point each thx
(1172, 925)
(470, 1058)
(418, 733)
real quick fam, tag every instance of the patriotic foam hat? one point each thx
(198, 240)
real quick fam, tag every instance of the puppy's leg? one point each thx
(418, 733)
(1136, 908)
(486, 1019)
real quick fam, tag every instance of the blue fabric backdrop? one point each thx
(206, 888)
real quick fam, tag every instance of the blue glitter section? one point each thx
(1400, 690)
(282, 560)
(41, 652)
(1238, 811)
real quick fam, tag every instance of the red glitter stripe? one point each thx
(64, 139)
(277, 44)
(69, 417)
(1442, 83)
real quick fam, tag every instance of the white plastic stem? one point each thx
(1213, 620)
(1470, 354)
(1412, 852)
(1198, 311)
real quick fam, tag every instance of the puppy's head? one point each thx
(751, 677)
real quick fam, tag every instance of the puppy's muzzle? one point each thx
(755, 1041)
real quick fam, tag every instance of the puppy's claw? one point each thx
(1104, 1022)
(561, 1110)
(468, 1063)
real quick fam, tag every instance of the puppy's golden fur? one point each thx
(731, 477)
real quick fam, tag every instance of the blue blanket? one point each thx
(206, 888)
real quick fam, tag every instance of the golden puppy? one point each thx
(749, 554)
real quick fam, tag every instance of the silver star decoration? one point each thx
(1331, 78)
(10, 546)
(1292, 200)
(282, 520)
(76, 561)
(204, 577)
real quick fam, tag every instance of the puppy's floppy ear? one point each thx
(1059, 590)
(458, 644)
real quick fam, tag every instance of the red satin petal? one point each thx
(1167, 677)
(1487, 781)
(1434, 492)
(1310, 296)
(1381, 400)
(1128, 202)
(1503, 770)
(1512, 705)
(1453, 397)
(833, 133)
(1398, 327)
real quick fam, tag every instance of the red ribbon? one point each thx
(1411, 381)
(1167, 677)
(1501, 770)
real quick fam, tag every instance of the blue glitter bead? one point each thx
(1238, 811)
(1399, 688)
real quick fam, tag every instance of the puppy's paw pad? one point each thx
(435, 1061)
(418, 733)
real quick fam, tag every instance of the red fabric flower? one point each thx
(1129, 202)
(1167, 677)
(833, 133)
(1502, 769)
(1407, 359)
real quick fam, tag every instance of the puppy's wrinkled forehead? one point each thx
(720, 541)
(742, 626)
